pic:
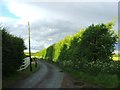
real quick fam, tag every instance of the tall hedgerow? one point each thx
(12, 53)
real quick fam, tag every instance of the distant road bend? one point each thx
(48, 76)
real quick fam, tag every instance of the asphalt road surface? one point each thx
(48, 76)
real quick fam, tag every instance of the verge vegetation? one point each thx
(87, 55)
(8, 81)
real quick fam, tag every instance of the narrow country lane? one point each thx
(48, 76)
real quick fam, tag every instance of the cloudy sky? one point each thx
(52, 21)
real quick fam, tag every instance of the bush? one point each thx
(12, 53)
(97, 67)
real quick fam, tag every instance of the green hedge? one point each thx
(89, 50)
(12, 52)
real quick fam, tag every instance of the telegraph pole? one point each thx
(29, 46)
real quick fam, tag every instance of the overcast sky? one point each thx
(52, 21)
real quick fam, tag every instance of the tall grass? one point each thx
(100, 80)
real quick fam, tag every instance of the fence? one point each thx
(26, 63)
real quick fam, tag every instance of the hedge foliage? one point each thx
(12, 52)
(89, 50)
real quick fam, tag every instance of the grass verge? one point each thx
(101, 80)
(19, 76)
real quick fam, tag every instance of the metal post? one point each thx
(29, 46)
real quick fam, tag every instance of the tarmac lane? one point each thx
(48, 76)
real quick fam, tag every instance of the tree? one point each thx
(98, 42)
(50, 52)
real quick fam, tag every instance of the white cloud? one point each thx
(25, 12)
(7, 19)
(29, 12)
(50, 39)
(68, 0)
(50, 22)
